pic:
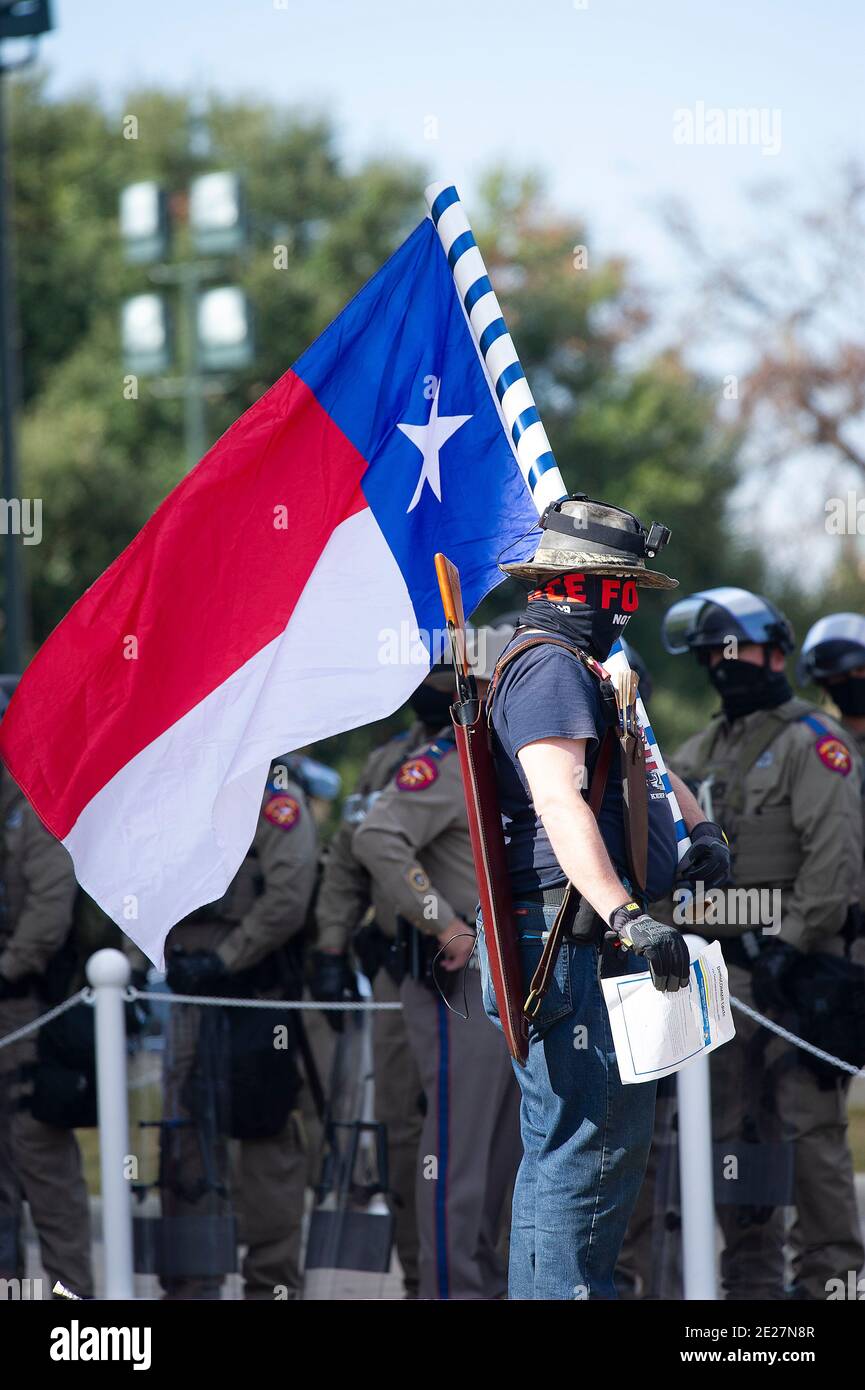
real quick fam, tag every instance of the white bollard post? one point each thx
(108, 973)
(696, 1172)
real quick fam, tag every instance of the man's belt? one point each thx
(544, 897)
(581, 925)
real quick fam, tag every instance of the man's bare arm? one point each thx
(555, 770)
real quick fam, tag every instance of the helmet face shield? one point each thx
(833, 646)
(713, 616)
(681, 623)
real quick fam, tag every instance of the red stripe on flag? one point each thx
(208, 582)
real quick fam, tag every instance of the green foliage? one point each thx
(637, 430)
(102, 462)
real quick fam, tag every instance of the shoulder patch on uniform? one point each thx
(418, 879)
(282, 810)
(416, 774)
(834, 754)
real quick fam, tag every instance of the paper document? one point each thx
(657, 1033)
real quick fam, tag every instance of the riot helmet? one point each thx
(711, 617)
(832, 647)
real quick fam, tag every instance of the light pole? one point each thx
(16, 21)
(217, 320)
(189, 276)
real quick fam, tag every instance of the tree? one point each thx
(788, 305)
(100, 458)
(793, 297)
(639, 430)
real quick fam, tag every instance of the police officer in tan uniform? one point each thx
(833, 657)
(778, 775)
(348, 897)
(414, 842)
(37, 1161)
(237, 946)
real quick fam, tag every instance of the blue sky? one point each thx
(585, 94)
(584, 91)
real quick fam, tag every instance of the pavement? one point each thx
(320, 1285)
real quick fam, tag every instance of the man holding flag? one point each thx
(590, 864)
(260, 608)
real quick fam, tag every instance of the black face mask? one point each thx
(589, 610)
(849, 696)
(432, 707)
(744, 687)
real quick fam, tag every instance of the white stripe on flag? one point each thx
(147, 834)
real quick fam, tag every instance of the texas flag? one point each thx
(283, 592)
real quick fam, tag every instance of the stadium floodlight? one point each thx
(24, 19)
(144, 222)
(225, 339)
(217, 213)
(146, 334)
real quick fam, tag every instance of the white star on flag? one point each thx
(429, 438)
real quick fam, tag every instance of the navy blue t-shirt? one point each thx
(548, 693)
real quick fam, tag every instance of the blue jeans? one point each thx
(585, 1136)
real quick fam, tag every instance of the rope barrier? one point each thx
(83, 995)
(130, 995)
(365, 1006)
(792, 1038)
(352, 1005)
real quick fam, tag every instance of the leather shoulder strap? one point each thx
(540, 982)
(540, 639)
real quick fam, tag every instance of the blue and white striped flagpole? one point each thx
(495, 346)
(519, 413)
(615, 662)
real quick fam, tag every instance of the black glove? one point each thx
(708, 859)
(195, 972)
(6, 988)
(333, 981)
(663, 947)
(769, 977)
